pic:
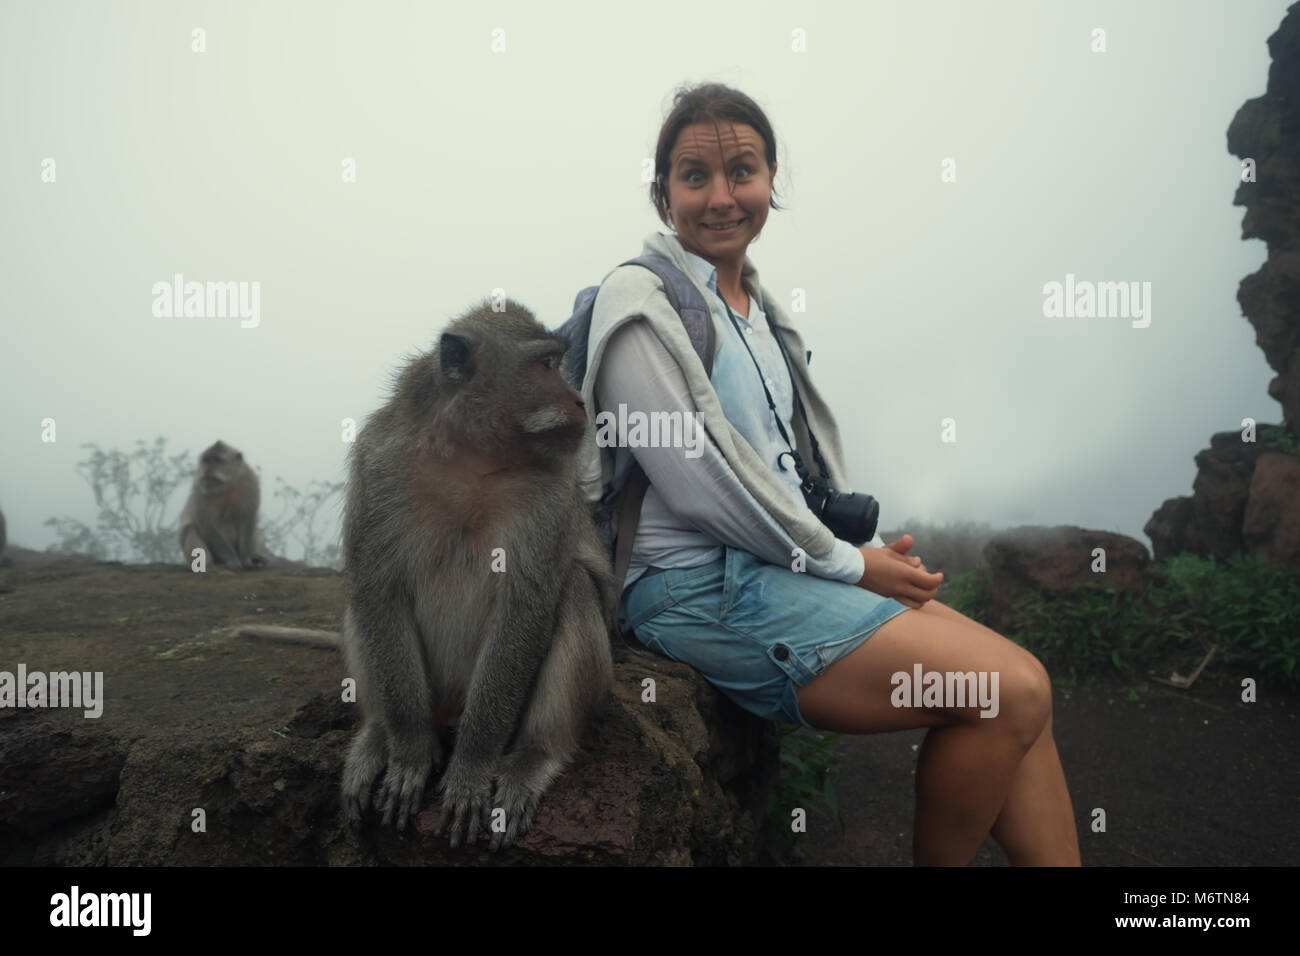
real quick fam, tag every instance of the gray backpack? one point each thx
(619, 509)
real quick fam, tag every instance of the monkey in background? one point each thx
(476, 583)
(221, 513)
(3, 538)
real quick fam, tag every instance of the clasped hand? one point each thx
(891, 573)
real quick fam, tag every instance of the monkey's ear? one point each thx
(457, 356)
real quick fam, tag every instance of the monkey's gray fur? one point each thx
(476, 450)
(221, 513)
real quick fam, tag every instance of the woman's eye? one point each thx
(690, 177)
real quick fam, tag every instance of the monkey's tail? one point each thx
(290, 635)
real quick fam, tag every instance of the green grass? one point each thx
(1277, 438)
(806, 780)
(1249, 612)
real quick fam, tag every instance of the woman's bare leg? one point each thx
(1036, 825)
(968, 764)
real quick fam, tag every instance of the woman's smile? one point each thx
(734, 225)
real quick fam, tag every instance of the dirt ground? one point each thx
(1186, 777)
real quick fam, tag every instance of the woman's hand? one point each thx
(891, 573)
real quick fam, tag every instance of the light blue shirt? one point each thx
(740, 388)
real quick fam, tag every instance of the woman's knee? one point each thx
(1025, 689)
(858, 689)
(1025, 693)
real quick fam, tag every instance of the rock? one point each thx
(1244, 500)
(1240, 497)
(1168, 527)
(53, 773)
(1271, 526)
(1267, 130)
(1031, 561)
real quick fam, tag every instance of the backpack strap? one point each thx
(629, 516)
(686, 300)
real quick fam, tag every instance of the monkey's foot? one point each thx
(466, 800)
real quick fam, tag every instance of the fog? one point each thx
(522, 169)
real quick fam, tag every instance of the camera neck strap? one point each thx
(799, 468)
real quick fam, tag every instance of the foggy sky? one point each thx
(522, 170)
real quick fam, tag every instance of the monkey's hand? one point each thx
(403, 788)
(466, 799)
(525, 775)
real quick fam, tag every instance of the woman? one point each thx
(712, 582)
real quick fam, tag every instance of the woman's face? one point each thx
(718, 175)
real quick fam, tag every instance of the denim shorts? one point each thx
(756, 631)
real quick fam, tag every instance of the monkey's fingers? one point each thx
(448, 817)
(465, 794)
(354, 809)
(466, 808)
(402, 793)
(518, 819)
(518, 797)
(393, 806)
(366, 761)
(465, 822)
(387, 803)
(460, 825)
(358, 804)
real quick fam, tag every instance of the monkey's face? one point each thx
(506, 380)
(718, 176)
(218, 467)
(551, 409)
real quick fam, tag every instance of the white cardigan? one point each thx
(734, 494)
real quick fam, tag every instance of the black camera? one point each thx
(849, 515)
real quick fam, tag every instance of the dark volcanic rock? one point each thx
(1032, 560)
(1244, 497)
(1267, 130)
